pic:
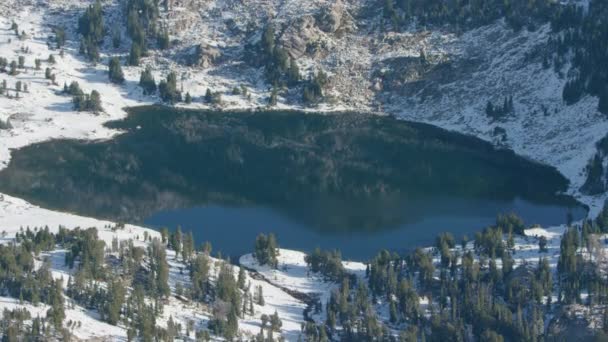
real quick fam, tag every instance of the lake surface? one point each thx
(223, 225)
(350, 181)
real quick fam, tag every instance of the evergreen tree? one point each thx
(275, 322)
(60, 36)
(116, 298)
(94, 103)
(266, 250)
(135, 54)
(115, 71)
(393, 312)
(241, 278)
(176, 241)
(260, 296)
(313, 90)
(57, 311)
(147, 82)
(199, 275)
(208, 96)
(90, 25)
(13, 69)
(164, 233)
(159, 268)
(116, 39)
(168, 89)
(163, 40)
(293, 74)
(187, 246)
(272, 100)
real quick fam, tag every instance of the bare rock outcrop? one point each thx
(335, 17)
(205, 55)
(298, 34)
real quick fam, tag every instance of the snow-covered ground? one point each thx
(82, 324)
(24, 215)
(293, 273)
(542, 127)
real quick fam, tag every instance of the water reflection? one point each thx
(352, 181)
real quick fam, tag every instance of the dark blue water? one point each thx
(232, 230)
(355, 182)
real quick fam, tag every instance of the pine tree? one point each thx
(74, 89)
(90, 25)
(245, 306)
(208, 96)
(266, 250)
(260, 296)
(176, 241)
(232, 325)
(116, 298)
(57, 311)
(13, 70)
(187, 246)
(168, 89)
(273, 99)
(160, 268)
(206, 248)
(163, 40)
(393, 312)
(94, 103)
(147, 82)
(135, 54)
(60, 36)
(116, 39)
(251, 308)
(115, 71)
(241, 278)
(313, 90)
(199, 276)
(293, 73)
(275, 322)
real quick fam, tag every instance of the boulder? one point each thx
(330, 17)
(298, 34)
(206, 55)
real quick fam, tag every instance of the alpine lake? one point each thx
(354, 182)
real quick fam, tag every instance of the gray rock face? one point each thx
(335, 17)
(330, 17)
(298, 34)
(206, 55)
